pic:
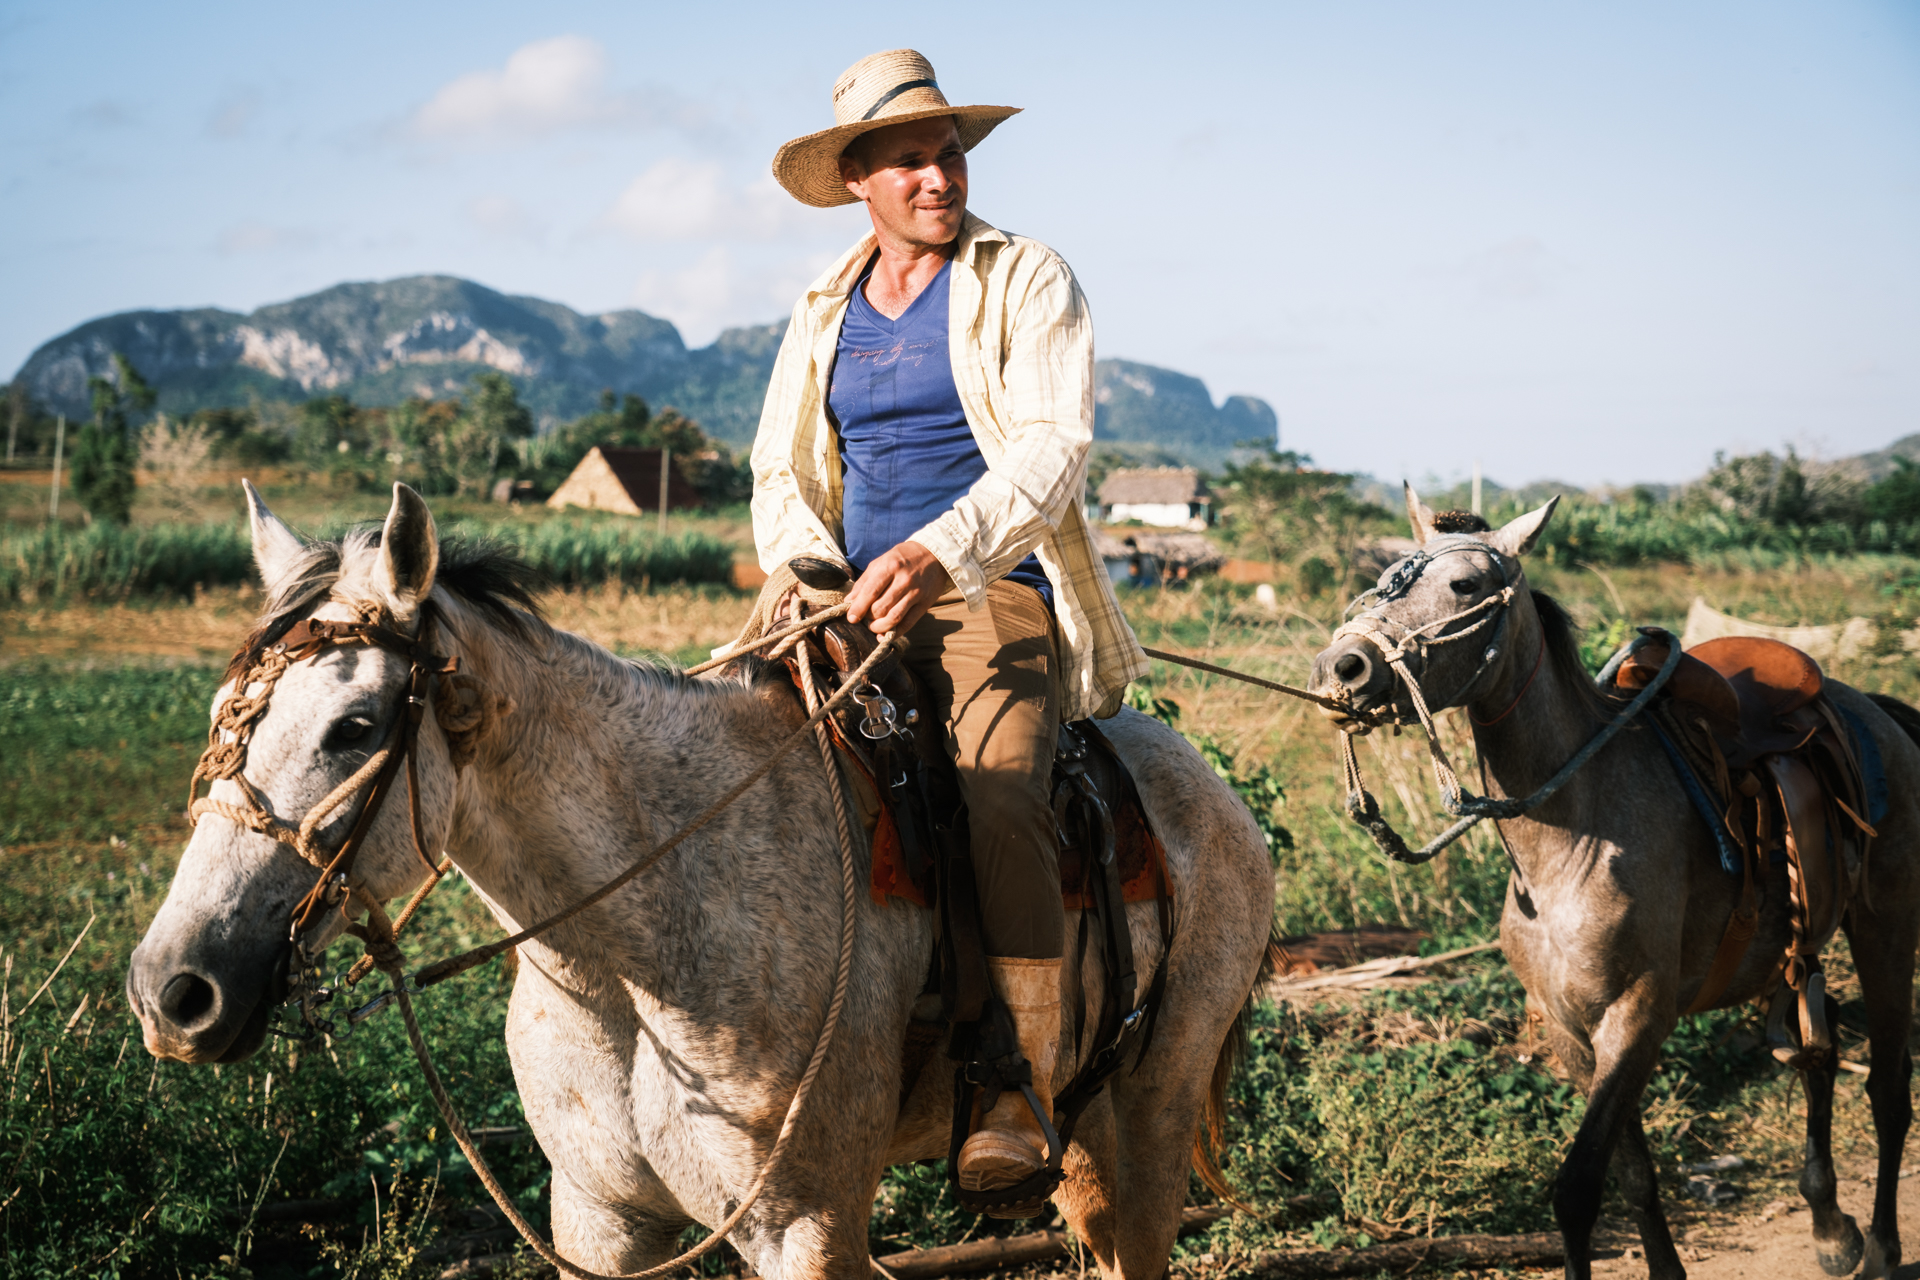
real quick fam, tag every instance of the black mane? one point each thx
(484, 573)
(1562, 639)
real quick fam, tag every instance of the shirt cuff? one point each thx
(968, 578)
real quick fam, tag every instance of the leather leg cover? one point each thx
(1007, 1146)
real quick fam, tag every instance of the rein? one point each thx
(225, 759)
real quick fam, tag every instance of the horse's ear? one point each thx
(409, 551)
(1517, 536)
(275, 547)
(1419, 514)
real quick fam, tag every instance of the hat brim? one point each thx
(809, 167)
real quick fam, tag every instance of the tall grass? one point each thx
(584, 553)
(111, 562)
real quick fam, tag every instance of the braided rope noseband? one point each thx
(460, 706)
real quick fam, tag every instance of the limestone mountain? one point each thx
(380, 343)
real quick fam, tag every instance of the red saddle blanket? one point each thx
(1142, 858)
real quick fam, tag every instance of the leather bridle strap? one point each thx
(240, 714)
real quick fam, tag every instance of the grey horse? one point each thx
(1618, 903)
(657, 1038)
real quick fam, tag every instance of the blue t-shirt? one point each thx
(906, 451)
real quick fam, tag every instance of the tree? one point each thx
(105, 453)
(1781, 491)
(481, 437)
(1279, 508)
(1896, 498)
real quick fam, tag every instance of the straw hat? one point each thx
(881, 89)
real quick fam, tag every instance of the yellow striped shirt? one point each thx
(1021, 343)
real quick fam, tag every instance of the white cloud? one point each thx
(717, 291)
(258, 237)
(504, 217)
(1520, 268)
(693, 200)
(547, 85)
(231, 118)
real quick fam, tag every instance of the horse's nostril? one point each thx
(1351, 667)
(186, 999)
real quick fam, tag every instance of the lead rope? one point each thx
(379, 936)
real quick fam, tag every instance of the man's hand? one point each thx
(897, 589)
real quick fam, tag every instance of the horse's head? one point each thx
(1438, 617)
(214, 962)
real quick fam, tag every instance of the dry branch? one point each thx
(1007, 1251)
(1373, 973)
(1540, 1249)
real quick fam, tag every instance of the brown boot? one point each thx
(1007, 1146)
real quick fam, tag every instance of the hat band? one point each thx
(895, 92)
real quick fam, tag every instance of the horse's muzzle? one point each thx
(1354, 672)
(188, 1013)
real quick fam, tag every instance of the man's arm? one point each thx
(785, 524)
(1048, 374)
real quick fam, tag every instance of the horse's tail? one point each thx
(1900, 713)
(1211, 1140)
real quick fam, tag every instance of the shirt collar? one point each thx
(838, 281)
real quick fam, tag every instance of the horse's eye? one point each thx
(347, 732)
(1465, 586)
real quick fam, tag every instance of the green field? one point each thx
(1410, 1111)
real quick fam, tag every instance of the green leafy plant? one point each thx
(105, 452)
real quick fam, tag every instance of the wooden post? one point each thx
(1476, 486)
(666, 464)
(13, 423)
(59, 443)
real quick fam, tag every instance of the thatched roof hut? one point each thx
(623, 480)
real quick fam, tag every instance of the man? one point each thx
(928, 425)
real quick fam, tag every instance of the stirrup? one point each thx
(1028, 1197)
(1806, 1040)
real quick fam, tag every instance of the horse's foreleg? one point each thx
(1614, 1068)
(610, 1239)
(1883, 951)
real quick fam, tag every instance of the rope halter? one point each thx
(460, 706)
(1398, 642)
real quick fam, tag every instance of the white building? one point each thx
(1170, 497)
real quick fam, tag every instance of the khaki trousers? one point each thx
(991, 674)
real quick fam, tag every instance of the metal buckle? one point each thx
(879, 717)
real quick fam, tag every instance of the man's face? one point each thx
(913, 178)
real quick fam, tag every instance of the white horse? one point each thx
(657, 1037)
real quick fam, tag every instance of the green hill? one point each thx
(380, 343)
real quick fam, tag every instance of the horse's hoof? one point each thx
(1840, 1257)
(1880, 1261)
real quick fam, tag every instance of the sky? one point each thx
(1592, 242)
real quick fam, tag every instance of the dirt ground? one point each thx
(1768, 1233)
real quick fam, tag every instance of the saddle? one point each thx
(907, 794)
(1776, 770)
